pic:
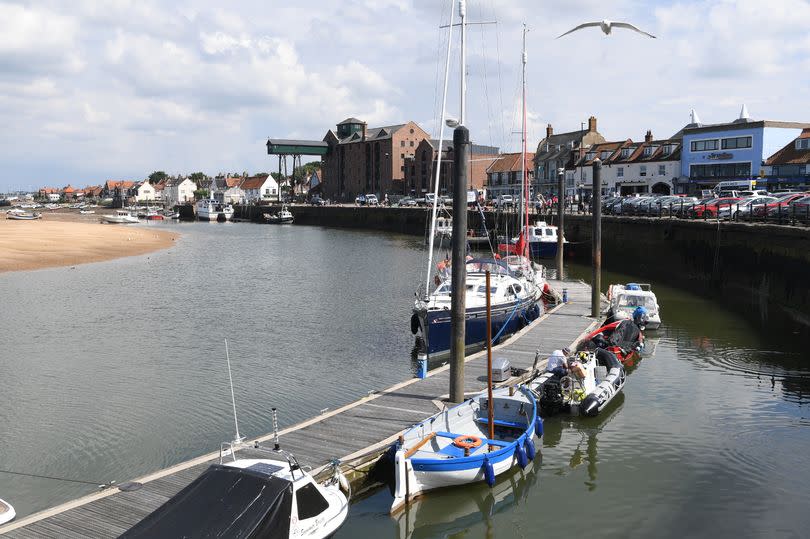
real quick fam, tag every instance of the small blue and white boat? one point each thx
(453, 448)
(514, 305)
(542, 239)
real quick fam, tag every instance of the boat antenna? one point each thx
(238, 438)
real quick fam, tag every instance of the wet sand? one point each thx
(67, 239)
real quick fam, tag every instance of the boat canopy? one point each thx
(224, 502)
(480, 265)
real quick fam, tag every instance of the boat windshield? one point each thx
(480, 265)
(631, 301)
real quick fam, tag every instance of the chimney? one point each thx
(549, 131)
(648, 137)
(364, 130)
(592, 124)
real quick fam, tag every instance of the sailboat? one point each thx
(7, 512)
(266, 494)
(518, 284)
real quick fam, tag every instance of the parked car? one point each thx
(683, 207)
(406, 202)
(504, 201)
(779, 205)
(800, 209)
(317, 201)
(742, 210)
(360, 200)
(371, 200)
(709, 209)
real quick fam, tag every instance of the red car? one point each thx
(783, 201)
(710, 208)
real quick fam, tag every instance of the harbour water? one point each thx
(116, 369)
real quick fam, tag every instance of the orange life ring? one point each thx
(467, 442)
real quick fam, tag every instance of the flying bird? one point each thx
(606, 27)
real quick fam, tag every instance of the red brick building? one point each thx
(368, 160)
(421, 168)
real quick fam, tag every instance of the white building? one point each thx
(628, 167)
(179, 192)
(143, 192)
(261, 187)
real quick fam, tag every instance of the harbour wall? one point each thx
(759, 267)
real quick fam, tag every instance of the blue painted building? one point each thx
(730, 151)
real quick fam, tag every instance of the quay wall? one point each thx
(760, 267)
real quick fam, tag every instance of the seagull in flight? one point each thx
(607, 26)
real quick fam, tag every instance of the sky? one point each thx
(95, 90)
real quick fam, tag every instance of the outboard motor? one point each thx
(551, 401)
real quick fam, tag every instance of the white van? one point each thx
(504, 200)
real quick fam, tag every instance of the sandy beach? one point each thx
(67, 239)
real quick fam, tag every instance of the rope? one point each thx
(38, 476)
(495, 338)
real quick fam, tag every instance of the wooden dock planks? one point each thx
(349, 430)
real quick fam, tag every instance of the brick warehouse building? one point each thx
(363, 160)
(421, 168)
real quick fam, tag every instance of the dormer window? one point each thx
(667, 149)
(590, 155)
(626, 152)
(803, 143)
(648, 150)
(605, 155)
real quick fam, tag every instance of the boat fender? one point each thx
(520, 453)
(414, 323)
(489, 473)
(344, 484)
(538, 426)
(530, 450)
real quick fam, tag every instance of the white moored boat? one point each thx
(284, 216)
(453, 447)
(7, 512)
(120, 217)
(625, 299)
(209, 209)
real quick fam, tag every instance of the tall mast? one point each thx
(462, 12)
(439, 158)
(524, 209)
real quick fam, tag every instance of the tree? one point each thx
(201, 194)
(276, 176)
(157, 177)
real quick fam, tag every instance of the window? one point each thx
(667, 149)
(725, 170)
(704, 145)
(802, 143)
(411, 131)
(737, 142)
(626, 152)
(804, 170)
(648, 151)
(662, 170)
(411, 144)
(620, 172)
(590, 156)
(605, 155)
(643, 170)
(402, 143)
(310, 502)
(402, 156)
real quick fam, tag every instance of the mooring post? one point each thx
(461, 149)
(560, 221)
(596, 202)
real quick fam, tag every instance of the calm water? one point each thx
(116, 369)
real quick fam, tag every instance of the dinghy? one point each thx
(624, 339)
(7, 513)
(454, 448)
(594, 379)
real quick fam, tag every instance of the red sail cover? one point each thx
(518, 248)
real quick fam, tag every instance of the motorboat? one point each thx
(541, 238)
(153, 215)
(7, 512)
(20, 215)
(454, 447)
(119, 217)
(209, 209)
(87, 212)
(513, 299)
(623, 338)
(594, 378)
(269, 497)
(444, 228)
(283, 216)
(625, 299)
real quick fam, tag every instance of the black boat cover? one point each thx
(626, 335)
(223, 502)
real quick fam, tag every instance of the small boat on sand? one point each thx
(453, 447)
(7, 512)
(19, 215)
